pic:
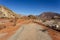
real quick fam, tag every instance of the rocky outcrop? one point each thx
(5, 12)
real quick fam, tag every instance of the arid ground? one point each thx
(28, 30)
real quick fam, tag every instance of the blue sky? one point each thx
(34, 7)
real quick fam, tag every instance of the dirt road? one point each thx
(31, 31)
(28, 30)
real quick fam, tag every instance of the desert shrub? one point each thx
(32, 17)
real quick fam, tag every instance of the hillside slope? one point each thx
(5, 12)
(48, 15)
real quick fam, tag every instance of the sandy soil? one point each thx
(28, 30)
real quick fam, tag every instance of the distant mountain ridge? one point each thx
(48, 15)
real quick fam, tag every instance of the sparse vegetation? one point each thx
(32, 17)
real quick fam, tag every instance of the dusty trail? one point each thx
(28, 30)
(12, 30)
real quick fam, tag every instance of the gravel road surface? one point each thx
(31, 31)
